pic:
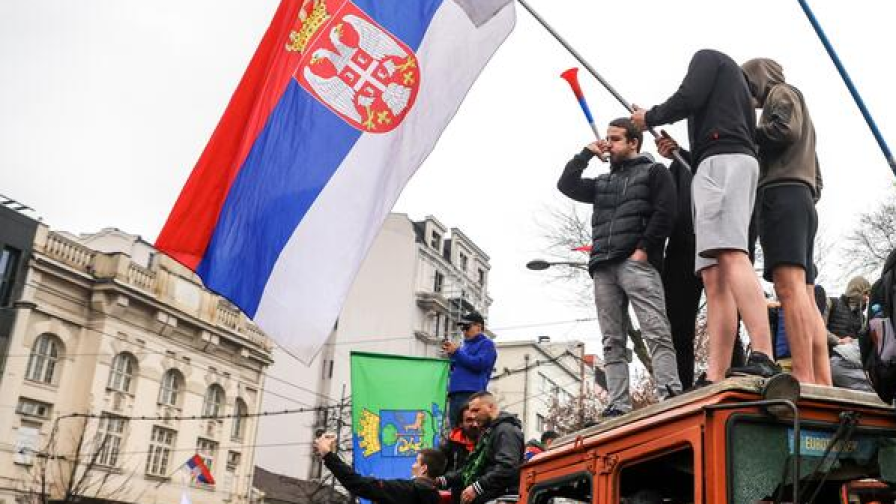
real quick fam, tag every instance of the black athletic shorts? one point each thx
(787, 226)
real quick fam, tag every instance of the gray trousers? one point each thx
(615, 285)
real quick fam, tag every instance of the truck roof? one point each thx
(722, 391)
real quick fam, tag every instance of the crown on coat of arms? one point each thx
(311, 23)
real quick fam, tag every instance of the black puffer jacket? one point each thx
(844, 321)
(634, 207)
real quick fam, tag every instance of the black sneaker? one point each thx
(701, 382)
(611, 412)
(758, 364)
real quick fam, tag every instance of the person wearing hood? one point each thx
(846, 320)
(634, 211)
(789, 185)
(492, 470)
(715, 99)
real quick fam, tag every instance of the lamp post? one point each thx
(541, 264)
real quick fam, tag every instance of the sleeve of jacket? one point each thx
(665, 203)
(482, 360)
(571, 182)
(692, 93)
(508, 457)
(781, 122)
(367, 487)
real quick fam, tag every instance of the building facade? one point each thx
(113, 347)
(530, 376)
(415, 283)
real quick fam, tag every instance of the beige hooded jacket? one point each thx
(785, 133)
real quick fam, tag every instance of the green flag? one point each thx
(397, 408)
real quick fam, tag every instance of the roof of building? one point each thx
(280, 488)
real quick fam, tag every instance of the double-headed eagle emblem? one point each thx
(354, 66)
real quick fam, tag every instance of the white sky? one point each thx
(105, 106)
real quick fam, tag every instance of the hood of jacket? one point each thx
(505, 417)
(762, 74)
(856, 289)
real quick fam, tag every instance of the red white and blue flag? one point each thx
(199, 471)
(340, 105)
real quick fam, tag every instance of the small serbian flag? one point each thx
(199, 471)
(342, 102)
(583, 248)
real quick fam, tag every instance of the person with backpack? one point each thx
(878, 342)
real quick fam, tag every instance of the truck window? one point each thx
(667, 479)
(760, 451)
(572, 489)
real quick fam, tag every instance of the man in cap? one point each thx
(471, 364)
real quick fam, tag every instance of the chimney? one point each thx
(544, 339)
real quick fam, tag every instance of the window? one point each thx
(27, 444)
(9, 263)
(43, 359)
(109, 437)
(214, 401)
(668, 479)
(208, 449)
(160, 446)
(170, 389)
(122, 372)
(435, 240)
(239, 411)
(575, 488)
(463, 261)
(30, 407)
(481, 273)
(233, 460)
(438, 282)
(539, 423)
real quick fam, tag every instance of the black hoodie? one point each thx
(715, 99)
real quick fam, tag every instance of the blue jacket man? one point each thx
(471, 364)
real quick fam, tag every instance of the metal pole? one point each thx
(526, 390)
(581, 384)
(849, 85)
(575, 54)
(339, 425)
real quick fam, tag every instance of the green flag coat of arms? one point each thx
(398, 404)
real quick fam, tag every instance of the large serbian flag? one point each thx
(341, 103)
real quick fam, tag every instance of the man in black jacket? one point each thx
(715, 99)
(419, 490)
(492, 470)
(634, 210)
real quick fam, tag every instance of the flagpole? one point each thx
(609, 87)
(849, 85)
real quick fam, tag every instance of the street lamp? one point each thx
(541, 264)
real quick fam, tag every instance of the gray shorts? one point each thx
(724, 191)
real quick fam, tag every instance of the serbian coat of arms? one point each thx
(353, 65)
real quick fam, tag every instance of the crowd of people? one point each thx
(661, 237)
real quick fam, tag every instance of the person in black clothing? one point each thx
(492, 470)
(420, 489)
(458, 444)
(634, 209)
(715, 99)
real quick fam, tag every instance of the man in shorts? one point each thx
(789, 186)
(715, 99)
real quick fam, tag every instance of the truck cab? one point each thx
(740, 441)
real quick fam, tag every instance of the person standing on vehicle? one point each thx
(634, 209)
(789, 185)
(715, 99)
(471, 364)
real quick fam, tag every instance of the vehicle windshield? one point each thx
(760, 452)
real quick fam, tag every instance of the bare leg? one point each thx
(721, 322)
(738, 276)
(822, 361)
(790, 285)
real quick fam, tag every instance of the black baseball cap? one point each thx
(471, 318)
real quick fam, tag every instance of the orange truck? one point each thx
(740, 441)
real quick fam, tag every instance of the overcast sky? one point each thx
(105, 106)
